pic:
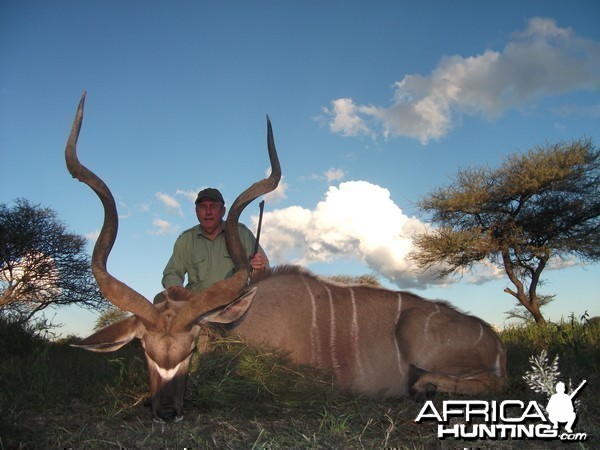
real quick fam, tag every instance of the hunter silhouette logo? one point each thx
(560, 407)
(506, 419)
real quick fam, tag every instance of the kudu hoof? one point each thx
(425, 392)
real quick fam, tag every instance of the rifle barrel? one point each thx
(261, 207)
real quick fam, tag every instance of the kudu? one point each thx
(168, 330)
(375, 341)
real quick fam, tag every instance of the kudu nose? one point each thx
(168, 414)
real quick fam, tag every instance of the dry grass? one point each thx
(55, 396)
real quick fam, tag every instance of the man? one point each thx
(200, 252)
(560, 407)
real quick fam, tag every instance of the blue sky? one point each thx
(373, 104)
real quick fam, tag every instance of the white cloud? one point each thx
(356, 220)
(334, 175)
(542, 60)
(190, 195)
(172, 205)
(163, 227)
(346, 119)
(93, 236)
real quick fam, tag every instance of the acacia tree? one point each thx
(41, 264)
(109, 316)
(537, 206)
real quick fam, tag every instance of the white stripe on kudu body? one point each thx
(315, 346)
(355, 336)
(376, 341)
(332, 332)
(398, 354)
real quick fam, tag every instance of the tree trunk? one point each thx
(533, 306)
(534, 309)
(528, 300)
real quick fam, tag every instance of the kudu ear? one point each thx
(232, 312)
(111, 337)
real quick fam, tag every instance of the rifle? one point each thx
(574, 393)
(261, 206)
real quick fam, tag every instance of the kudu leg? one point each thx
(427, 382)
(422, 391)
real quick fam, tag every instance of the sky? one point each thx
(373, 105)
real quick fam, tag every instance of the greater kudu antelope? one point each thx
(168, 330)
(376, 341)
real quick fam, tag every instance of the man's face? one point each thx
(210, 214)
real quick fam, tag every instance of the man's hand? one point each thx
(259, 262)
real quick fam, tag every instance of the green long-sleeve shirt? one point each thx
(204, 261)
